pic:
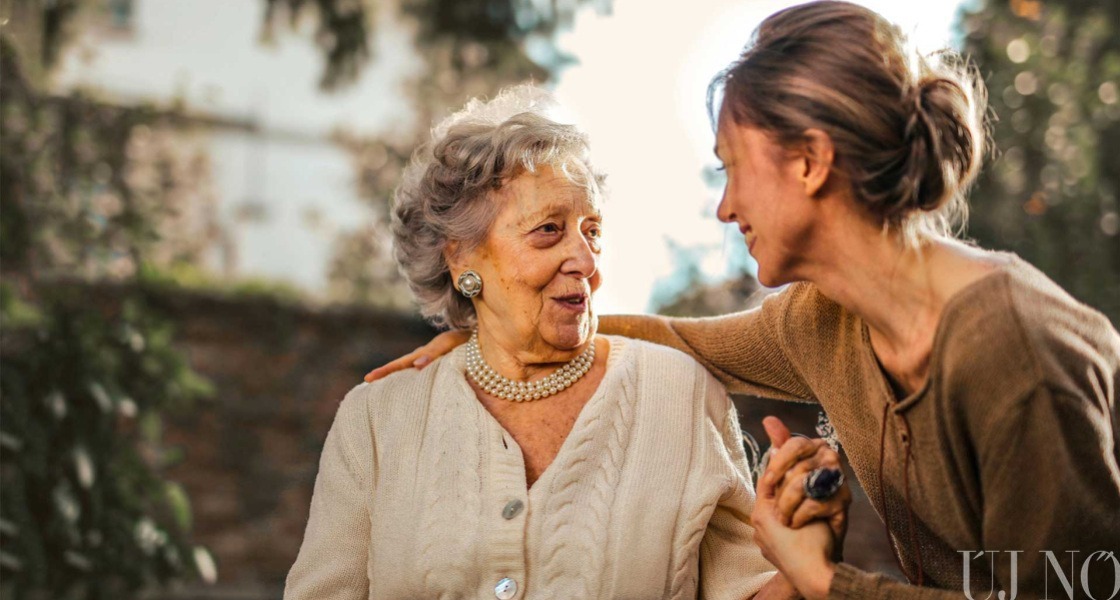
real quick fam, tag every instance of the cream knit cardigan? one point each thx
(649, 496)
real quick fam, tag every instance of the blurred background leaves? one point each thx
(1050, 194)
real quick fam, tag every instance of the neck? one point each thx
(524, 360)
(894, 288)
(898, 290)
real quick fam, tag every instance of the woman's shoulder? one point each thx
(1037, 298)
(1064, 335)
(1020, 324)
(1051, 318)
(407, 391)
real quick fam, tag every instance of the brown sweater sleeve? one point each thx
(850, 583)
(745, 350)
(1057, 450)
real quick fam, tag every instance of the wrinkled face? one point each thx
(766, 198)
(539, 265)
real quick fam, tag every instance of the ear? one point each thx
(459, 260)
(816, 161)
(454, 259)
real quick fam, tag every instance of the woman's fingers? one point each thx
(808, 454)
(405, 362)
(776, 430)
(791, 494)
(422, 356)
(779, 434)
(808, 510)
(446, 342)
(762, 519)
(833, 511)
(811, 509)
(792, 452)
(839, 521)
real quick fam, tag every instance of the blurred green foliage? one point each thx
(1053, 73)
(495, 30)
(342, 33)
(189, 277)
(85, 513)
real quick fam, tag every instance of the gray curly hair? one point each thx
(448, 190)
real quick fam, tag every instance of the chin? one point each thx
(766, 280)
(571, 335)
(771, 279)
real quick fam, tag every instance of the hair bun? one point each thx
(942, 134)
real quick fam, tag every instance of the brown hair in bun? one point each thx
(908, 130)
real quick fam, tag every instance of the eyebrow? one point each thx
(554, 210)
(538, 215)
(715, 150)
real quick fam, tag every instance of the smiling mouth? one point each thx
(574, 302)
(748, 235)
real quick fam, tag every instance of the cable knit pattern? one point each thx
(451, 498)
(601, 446)
(694, 526)
(684, 576)
(647, 498)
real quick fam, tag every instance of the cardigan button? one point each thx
(506, 589)
(512, 509)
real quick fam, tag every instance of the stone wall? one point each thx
(251, 454)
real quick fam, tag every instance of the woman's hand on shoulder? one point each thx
(422, 356)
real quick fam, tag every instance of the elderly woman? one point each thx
(539, 459)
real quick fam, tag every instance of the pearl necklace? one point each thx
(519, 391)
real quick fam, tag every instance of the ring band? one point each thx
(822, 483)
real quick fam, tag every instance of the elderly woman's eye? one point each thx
(595, 232)
(549, 228)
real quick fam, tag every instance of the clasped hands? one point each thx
(801, 536)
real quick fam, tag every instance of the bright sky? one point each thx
(640, 94)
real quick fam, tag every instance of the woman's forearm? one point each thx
(742, 350)
(850, 582)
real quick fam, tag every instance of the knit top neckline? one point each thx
(612, 377)
(956, 302)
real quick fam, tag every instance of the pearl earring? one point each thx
(470, 284)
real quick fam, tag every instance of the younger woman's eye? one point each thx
(721, 168)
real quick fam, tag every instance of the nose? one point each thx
(723, 211)
(582, 258)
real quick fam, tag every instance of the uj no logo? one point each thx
(1074, 582)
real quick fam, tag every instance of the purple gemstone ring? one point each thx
(823, 483)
